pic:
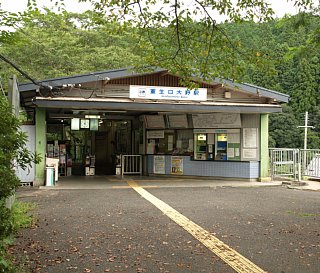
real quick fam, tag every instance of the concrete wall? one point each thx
(28, 175)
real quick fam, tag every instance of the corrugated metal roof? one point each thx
(130, 72)
(128, 104)
(89, 77)
(254, 89)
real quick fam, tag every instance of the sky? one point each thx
(281, 7)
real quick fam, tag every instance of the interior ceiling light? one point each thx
(92, 116)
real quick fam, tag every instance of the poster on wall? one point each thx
(250, 137)
(249, 153)
(159, 164)
(176, 165)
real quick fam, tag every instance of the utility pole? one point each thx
(305, 141)
(305, 130)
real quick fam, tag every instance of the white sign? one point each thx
(155, 134)
(167, 93)
(216, 131)
(250, 137)
(230, 152)
(159, 164)
(249, 153)
(75, 124)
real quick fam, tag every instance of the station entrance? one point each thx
(88, 152)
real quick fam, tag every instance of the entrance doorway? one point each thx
(112, 139)
(103, 153)
(89, 152)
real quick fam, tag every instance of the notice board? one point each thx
(178, 121)
(155, 122)
(216, 120)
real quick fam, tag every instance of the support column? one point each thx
(41, 143)
(264, 151)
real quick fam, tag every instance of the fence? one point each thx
(310, 162)
(294, 163)
(131, 164)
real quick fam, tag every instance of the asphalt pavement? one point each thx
(114, 229)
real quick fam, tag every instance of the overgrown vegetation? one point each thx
(18, 217)
(13, 153)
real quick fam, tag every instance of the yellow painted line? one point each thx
(129, 187)
(234, 259)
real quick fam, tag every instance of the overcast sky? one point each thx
(281, 7)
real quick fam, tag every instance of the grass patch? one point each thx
(301, 214)
(20, 217)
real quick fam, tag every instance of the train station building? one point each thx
(125, 122)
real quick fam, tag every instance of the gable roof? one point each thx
(129, 72)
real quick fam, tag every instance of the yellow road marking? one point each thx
(234, 259)
(129, 187)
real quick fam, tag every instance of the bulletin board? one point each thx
(155, 122)
(233, 149)
(250, 144)
(178, 121)
(216, 120)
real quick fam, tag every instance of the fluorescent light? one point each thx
(92, 116)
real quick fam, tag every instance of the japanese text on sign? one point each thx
(167, 93)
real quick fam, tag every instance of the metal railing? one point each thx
(310, 162)
(285, 163)
(131, 164)
(294, 163)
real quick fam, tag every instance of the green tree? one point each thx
(284, 131)
(48, 45)
(304, 95)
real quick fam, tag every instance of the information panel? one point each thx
(159, 164)
(216, 120)
(155, 121)
(155, 134)
(178, 121)
(250, 137)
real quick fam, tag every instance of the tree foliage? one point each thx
(280, 54)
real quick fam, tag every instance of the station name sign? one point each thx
(167, 93)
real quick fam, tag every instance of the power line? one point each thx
(40, 84)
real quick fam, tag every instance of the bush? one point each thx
(13, 153)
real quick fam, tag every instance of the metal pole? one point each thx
(305, 141)
(299, 166)
(305, 130)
